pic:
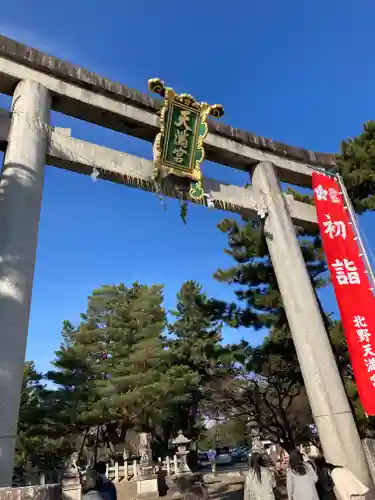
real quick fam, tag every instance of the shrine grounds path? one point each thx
(226, 488)
(222, 487)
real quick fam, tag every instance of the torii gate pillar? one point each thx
(21, 186)
(328, 401)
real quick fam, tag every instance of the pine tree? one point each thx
(112, 367)
(257, 290)
(40, 439)
(74, 379)
(271, 381)
(196, 348)
(356, 164)
(30, 413)
(231, 432)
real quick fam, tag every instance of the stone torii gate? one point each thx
(38, 83)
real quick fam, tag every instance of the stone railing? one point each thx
(129, 471)
(39, 492)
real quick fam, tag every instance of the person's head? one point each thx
(297, 463)
(100, 467)
(256, 462)
(91, 480)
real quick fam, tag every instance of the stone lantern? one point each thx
(182, 443)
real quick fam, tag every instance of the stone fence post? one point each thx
(71, 487)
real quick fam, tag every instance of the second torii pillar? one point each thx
(329, 404)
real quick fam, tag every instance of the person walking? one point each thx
(259, 481)
(300, 478)
(162, 481)
(211, 454)
(106, 484)
(325, 485)
(284, 461)
(92, 487)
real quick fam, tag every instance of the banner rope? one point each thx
(355, 224)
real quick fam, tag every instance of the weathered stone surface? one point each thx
(71, 486)
(329, 405)
(72, 73)
(21, 186)
(80, 156)
(147, 486)
(369, 447)
(47, 492)
(75, 74)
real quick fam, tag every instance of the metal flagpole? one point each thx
(353, 219)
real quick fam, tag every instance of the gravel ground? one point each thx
(221, 487)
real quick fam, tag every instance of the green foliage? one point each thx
(40, 441)
(32, 394)
(270, 388)
(259, 297)
(230, 432)
(117, 370)
(303, 198)
(356, 164)
(195, 347)
(110, 368)
(254, 277)
(184, 211)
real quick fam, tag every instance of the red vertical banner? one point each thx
(351, 283)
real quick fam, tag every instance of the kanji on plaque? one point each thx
(179, 146)
(181, 136)
(351, 284)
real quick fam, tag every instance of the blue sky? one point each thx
(299, 72)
